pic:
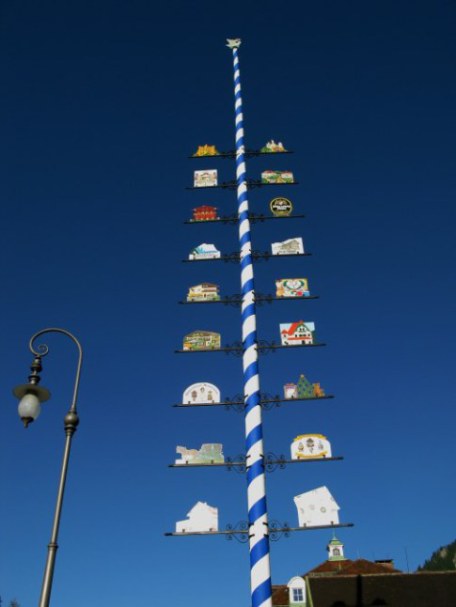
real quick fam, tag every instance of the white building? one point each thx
(201, 517)
(317, 507)
(292, 246)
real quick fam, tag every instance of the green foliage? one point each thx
(443, 559)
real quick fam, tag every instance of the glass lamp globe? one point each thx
(30, 398)
(29, 408)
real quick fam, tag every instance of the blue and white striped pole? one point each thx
(260, 570)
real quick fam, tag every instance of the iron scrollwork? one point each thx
(266, 347)
(236, 403)
(261, 298)
(231, 257)
(269, 401)
(273, 461)
(240, 532)
(238, 464)
(278, 530)
(230, 219)
(232, 300)
(236, 348)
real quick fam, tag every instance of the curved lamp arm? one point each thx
(36, 393)
(43, 350)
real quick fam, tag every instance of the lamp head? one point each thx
(31, 395)
(30, 399)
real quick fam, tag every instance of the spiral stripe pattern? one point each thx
(260, 571)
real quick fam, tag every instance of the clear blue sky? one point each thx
(100, 104)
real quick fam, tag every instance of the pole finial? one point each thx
(233, 42)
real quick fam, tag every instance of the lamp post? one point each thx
(31, 396)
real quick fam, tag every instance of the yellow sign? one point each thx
(206, 150)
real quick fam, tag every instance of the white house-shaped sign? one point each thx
(291, 246)
(308, 446)
(205, 179)
(204, 251)
(299, 333)
(317, 507)
(210, 453)
(201, 517)
(206, 291)
(201, 393)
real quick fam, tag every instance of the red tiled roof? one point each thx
(348, 567)
(363, 566)
(280, 595)
(293, 327)
(329, 567)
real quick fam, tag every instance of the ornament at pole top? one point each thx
(233, 42)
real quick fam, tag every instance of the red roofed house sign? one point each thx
(297, 333)
(205, 213)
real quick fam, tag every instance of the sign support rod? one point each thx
(260, 569)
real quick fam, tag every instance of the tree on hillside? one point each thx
(443, 559)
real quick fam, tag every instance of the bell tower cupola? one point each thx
(335, 550)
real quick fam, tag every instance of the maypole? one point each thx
(317, 509)
(260, 569)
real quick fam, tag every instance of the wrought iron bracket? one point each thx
(233, 219)
(237, 403)
(239, 532)
(272, 461)
(232, 185)
(277, 530)
(256, 255)
(247, 154)
(238, 463)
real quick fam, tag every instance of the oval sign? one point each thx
(281, 207)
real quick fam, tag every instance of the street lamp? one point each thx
(31, 396)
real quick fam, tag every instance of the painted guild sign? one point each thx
(205, 179)
(281, 207)
(202, 340)
(206, 150)
(277, 177)
(272, 147)
(308, 446)
(206, 291)
(292, 287)
(297, 333)
(317, 507)
(303, 389)
(201, 517)
(201, 393)
(291, 246)
(205, 213)
(204, 251)
(210, 453)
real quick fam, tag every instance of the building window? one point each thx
(298, 595)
